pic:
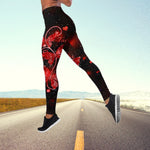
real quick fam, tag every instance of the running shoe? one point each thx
(49, 123)
(114, 107)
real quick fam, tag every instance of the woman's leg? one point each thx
(74, 49)
(51, 51)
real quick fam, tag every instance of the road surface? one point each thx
(18, 129)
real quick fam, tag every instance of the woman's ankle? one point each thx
(48, 116)
(107, 101)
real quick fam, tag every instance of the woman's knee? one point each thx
(87, 65)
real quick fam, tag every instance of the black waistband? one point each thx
(53, 9)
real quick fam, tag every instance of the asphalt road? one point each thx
(18, 129)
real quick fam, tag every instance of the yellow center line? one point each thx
(82, 109)
(79, 143)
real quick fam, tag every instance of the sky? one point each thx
(115, 35)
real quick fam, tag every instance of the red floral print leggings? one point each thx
(60, 33)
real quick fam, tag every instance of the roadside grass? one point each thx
(9, 104)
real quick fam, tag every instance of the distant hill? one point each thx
(135, 95)
(77, 94)
(23, 94)
(41, 94)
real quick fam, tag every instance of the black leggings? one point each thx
(60, 33)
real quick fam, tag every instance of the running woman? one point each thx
(60, 33)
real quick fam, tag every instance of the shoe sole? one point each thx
(50, 126)
(117, 108)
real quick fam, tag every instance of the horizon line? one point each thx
(74, 91)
